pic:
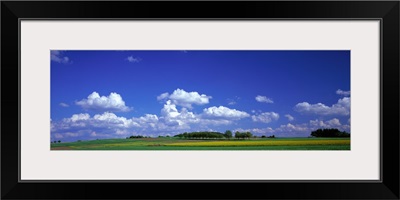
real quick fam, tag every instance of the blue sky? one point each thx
(115, 94)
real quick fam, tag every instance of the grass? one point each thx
(181, 144)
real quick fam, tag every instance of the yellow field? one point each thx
(260, 143)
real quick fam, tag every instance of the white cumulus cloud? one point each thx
(63, 105)
(231, 102)
(113, 102)
(265, 117)
(57, 56)
(342, 107)
(79, 117)
(71, 134)
(133, 59)
(333, 123)
(109, 119)
(293, 129)
(341, 92)
(163, 96)
(289, 117)
(263, 99)
(171, 116)
(224, 112)
(257, 131)
(185, 99)
(58, 135)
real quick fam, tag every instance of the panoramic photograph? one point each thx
(200, 100)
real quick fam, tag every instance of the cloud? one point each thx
(224, 112)
(333, 123)
(83, 123)
(341, 92)
(342, 107)
(113, 103)
(70, 134)
(185, 99)
(148, 118)
(57, 56)
(170, 121)
(108, 119)
(266, 117)
(79, 117)
(298, 130)
(132, 59)
(231, 102)
(163, 96)
(290, 117)
(204, 122)
(169, 110)
(93, 134)
(173, 119)
(63, 104)
(263, 99)
(292, 129)
(172, 116)
(257, 131)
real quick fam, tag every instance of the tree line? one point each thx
(214, 135)
(201, 135)
(137, 136)
(243, 135)
(332, 132)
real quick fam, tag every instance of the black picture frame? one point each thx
(386, 11)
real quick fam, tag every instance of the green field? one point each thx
(233, 144)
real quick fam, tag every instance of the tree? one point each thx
(228, 134)
(243, 135)
(136, 136)
(238, 135)
(332, 132)
(248, 135)
(59, 141)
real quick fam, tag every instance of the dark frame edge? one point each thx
(391, 189)
(391, 18)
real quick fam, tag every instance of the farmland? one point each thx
(167, 143)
